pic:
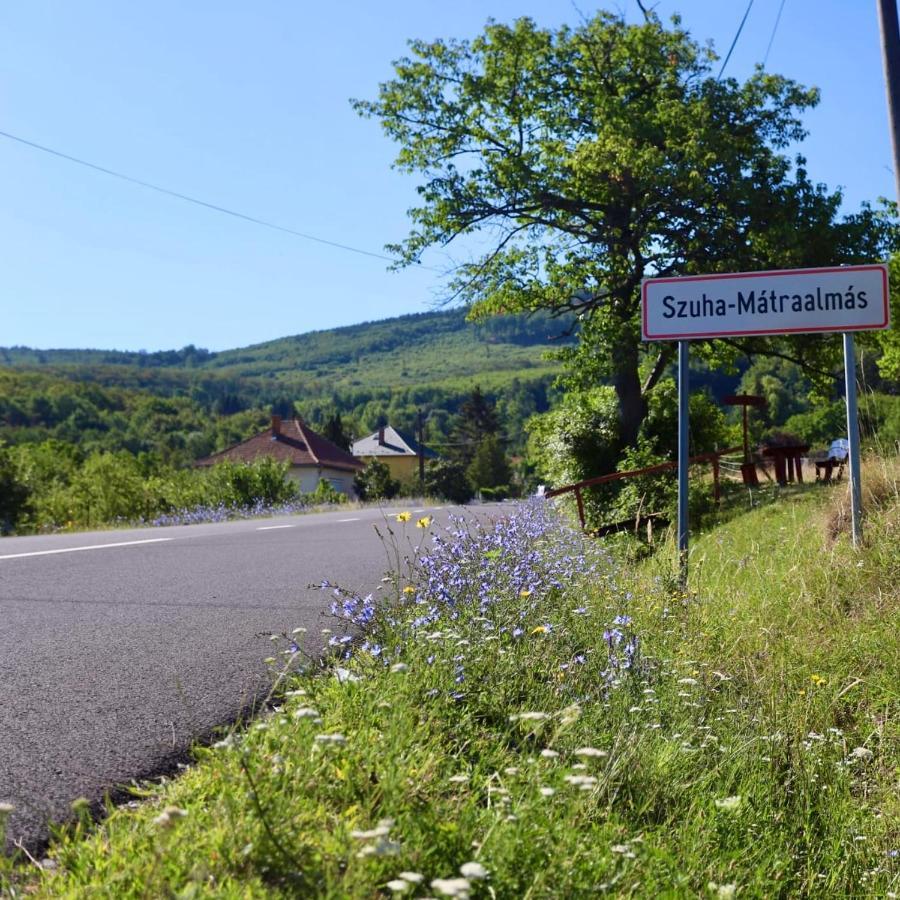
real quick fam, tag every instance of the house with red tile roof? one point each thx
(311, 456)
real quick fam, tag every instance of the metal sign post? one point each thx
(683, 461)
(853, 438)
(839, 299)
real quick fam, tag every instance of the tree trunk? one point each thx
(632, 406)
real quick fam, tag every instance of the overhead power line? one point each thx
(195, 200)
(772, 38)
(734, 42)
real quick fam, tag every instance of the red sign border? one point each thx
(883, 267)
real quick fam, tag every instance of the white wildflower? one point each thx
(511, 770)
(345, 675)
(452, 887)
(729, 804)
(298, 693)
(458, 779)
(383, 829)
(306, 712)
(382, 847)
(585, 782)
(722, 891)
(474, 870)
(547, 753)
(299, 631)
(398, 886)
(411, 877)
(6, 808)
(330, 739)
(591, 752)
(399, 667)
(547, 791)
(687, 681)
(863, 754)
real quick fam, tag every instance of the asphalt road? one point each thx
(118, 649)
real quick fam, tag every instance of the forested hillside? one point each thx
(181, 404)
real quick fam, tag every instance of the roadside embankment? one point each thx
(531, 718)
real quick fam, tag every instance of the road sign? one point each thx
(788, 301)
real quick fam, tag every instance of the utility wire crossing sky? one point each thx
(248, 105)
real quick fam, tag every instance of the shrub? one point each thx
(447, 479)
(375, 482)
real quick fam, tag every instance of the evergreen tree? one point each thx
(476, 420)
(489, 467)
(334, 431)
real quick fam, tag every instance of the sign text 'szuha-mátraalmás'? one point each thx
(849, 298)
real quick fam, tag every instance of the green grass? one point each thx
(755, 749)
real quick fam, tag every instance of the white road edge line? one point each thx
(349, 520)
(274, 527)
(88, 547)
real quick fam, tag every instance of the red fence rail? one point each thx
(577, 488)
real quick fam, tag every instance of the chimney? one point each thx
(381, 436)
(276, 426)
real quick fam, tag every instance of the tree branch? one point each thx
(750, 353)
(664, 358)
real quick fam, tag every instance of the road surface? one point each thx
(120, 648)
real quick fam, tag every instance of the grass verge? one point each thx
(529, 718)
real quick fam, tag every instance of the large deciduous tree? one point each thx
(588, 158)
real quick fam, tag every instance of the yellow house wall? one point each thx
(404, 468)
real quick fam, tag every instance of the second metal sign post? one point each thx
(789, 301)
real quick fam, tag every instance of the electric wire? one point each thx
(195, 200)
(734, 42)
(772, 38)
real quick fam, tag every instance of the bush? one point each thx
(375, 482)
(14, 494)
(326, 493)
(447, 479)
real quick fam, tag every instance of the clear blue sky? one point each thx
(245, 105)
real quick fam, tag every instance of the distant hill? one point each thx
(430, 345)
(374, 370)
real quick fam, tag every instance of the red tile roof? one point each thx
(293, 442)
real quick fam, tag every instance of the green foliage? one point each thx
(819, 426)
(477, 420)
(335, 432)
(375, 482)
(447, 480)
(889, 341)
(384, 371)
(596, 155)
(65, 490)
(489, 467)
(326, 493)
(243, 484)
(577, 439)
(14, 492)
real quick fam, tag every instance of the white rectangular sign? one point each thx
(845, 298)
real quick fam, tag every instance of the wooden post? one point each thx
(580, 503)
(717, 493)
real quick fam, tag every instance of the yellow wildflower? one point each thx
(409, 589)
(525, 593)
(404, 516)
(424, 522)
(818, 680)
(541, 629)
